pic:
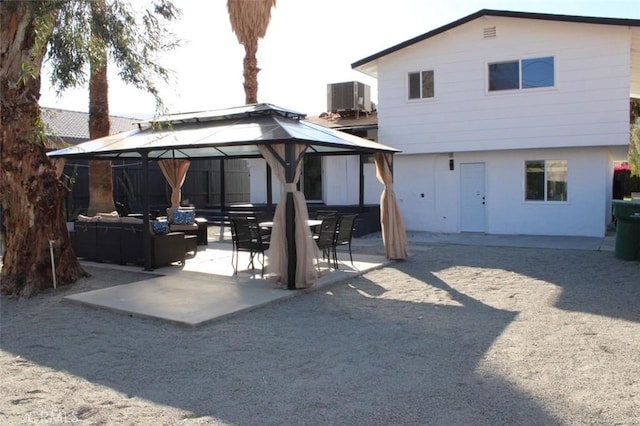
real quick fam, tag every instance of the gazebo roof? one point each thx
(233, 132)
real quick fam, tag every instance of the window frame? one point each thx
(546, 181)
(520, 76)
(421, 85)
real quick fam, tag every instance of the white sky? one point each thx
(308, 45)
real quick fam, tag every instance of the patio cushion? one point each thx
(172, 210)
(183, 217)
(109, 217)
(83, 218)
(160, 227)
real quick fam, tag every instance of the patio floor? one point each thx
(206, 289)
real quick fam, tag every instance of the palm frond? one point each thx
(250, 18)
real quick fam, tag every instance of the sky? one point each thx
(308, 45)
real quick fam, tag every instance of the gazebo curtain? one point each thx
(394, 234)
(175, 172)
(58, 164)
(305, 247)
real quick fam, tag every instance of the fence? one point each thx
(202, 186)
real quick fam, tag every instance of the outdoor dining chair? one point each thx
(322, 214)
(326, 238)
(346, 226)
(246, 237)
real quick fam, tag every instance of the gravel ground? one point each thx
(455, 335)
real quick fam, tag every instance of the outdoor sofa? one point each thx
(121, 241)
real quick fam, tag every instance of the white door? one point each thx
(472, 198)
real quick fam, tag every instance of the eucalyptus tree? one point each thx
(249, 21)
(31, 195)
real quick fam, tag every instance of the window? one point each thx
(421, 85)
(311, 178)
(546, 180)
(504, 76)
(522, 74)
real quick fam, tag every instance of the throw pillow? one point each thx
(183, 217)
(160, 227)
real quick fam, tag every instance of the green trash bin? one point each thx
(627, 214)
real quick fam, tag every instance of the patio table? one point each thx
(310, 222)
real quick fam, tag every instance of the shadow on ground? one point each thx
(592, 282)
(335, 356)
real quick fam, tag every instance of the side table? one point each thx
(190, 244)
(203, 228)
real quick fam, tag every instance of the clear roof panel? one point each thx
(233, 132)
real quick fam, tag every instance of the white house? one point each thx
(508, 122)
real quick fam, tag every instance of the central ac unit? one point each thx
(349, 96)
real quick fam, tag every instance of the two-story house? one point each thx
(509, 122)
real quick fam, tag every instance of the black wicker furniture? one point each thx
(122, 242)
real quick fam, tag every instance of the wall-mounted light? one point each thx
(451, 165)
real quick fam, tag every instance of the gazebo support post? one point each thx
(269, 189)
(290, 171)
(361, 183)
(223, 185)
(145, 211)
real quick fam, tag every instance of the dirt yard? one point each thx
(455, 335)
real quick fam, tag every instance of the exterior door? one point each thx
(472, 198)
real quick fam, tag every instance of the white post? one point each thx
(53, 263)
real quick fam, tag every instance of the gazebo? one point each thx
(278, 135)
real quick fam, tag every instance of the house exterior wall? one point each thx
(583, 119)
(429, 193)
(588, 106)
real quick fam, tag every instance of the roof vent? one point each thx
(489, 32)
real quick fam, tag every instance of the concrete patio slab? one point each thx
(206, 289)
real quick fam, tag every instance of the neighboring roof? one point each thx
(233, 132)
(503, 13)
(73, 126)
(351, 122)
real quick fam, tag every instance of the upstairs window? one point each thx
(522, 74)
(546, 180)
(421, 85)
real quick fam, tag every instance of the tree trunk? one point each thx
(32, 197)
(100, 171)
(250, 73)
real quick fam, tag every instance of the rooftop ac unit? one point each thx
(349, 96)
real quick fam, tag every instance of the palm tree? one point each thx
(100, 171)
(249, 21)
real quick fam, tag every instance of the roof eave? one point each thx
(368, 65)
